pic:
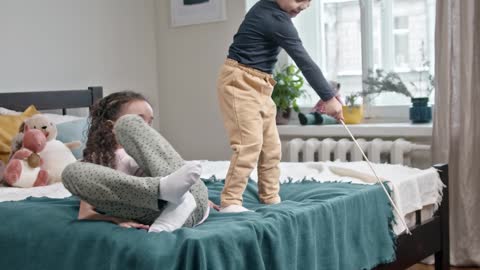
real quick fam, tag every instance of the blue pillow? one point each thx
(74, 131)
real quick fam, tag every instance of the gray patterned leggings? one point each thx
(121, 195)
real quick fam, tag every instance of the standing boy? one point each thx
(244, 90)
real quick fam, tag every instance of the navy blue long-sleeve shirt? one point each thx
(267, 28)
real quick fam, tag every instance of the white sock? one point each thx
(174, 186)
(234, 209)
(174, 215)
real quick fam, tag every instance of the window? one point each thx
(400, 32)
(347, 38)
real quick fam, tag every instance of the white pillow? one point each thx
(5, 111)
(58, 118)
(52, 117)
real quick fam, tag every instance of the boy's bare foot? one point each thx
(234, 209)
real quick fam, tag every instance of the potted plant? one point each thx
(352, 110)
(286, 92)
(420, 112)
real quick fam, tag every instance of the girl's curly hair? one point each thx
(101, 143)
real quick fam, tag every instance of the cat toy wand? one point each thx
(378, 178)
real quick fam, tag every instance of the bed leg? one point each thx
(442, 258)
(441, 261)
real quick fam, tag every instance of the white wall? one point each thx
(68, 44)
(189, 59)
(124, 44)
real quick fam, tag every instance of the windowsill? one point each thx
(380, 130)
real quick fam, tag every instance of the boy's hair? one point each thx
(101, 143)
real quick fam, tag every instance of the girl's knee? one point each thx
(127, 123)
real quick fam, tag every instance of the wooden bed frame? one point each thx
(430, 237)
(51, 100)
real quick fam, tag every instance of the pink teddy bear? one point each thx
(24, 168)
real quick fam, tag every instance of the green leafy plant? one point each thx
(381, 81)
(424, 86)
(288, 88)
(351, 99)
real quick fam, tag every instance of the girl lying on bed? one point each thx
(131, 175)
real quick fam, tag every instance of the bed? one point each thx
(293, 235)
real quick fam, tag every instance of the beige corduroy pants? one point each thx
(249, 112)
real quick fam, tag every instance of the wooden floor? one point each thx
(430, 267)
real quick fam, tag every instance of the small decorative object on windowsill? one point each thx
(381, 81)
(352, 111)
(286, 92)
(420, 112)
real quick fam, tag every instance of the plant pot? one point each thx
(420, 112)
(353, 114)
(283, 116)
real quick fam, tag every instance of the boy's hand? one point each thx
(334, 108)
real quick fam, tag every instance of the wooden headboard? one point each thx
(51, 100)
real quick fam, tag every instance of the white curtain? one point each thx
(456, 129)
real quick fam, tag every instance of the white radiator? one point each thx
(377, 150)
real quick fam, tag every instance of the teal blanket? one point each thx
(317, 226)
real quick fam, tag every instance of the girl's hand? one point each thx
(125, 223)
(214, 206)
(334, 108)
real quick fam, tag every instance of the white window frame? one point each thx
(312, 17)
(387, 49)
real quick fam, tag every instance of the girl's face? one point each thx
(140, 108)
(293, 7)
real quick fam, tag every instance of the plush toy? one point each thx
(56, 155)
(2, 169)
(24, 168)
(318, 114)
(315, 118)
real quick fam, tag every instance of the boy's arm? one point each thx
(286, 36)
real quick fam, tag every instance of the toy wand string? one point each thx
(376, 176)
